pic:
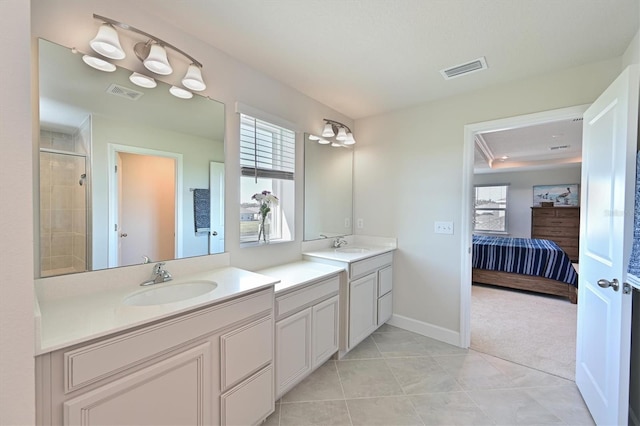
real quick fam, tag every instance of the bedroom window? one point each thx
(490, 209)
(267, 163)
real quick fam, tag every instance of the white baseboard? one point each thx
(634, 420)
(425, 329)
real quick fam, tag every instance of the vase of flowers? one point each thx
(265, 200)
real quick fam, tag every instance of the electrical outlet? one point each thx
(443, 228)
(360, 223)
(347, 222)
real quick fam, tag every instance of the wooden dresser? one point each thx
(559, 224)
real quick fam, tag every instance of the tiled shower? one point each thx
(64, 201)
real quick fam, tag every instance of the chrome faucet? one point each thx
(159, 275)
(339, 242)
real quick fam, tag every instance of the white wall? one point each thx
(412, 158)
(17, 392)
(520, 198)
(632, 54)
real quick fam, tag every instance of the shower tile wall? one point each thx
(62, 206)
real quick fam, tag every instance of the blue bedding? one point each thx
(525, 256)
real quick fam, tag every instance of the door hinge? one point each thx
(115, 169)
(115, 227)
(626, 288)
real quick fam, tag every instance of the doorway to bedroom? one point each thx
(519, 163)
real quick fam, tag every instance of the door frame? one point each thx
(466, 228)
(113, 150)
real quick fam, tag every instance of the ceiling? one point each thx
(543, 146)
(366, 57)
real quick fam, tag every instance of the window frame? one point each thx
(276, 164)
(504, 209)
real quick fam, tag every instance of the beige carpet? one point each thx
(529, 329)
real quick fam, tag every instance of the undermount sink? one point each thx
(352, 250)
(171, 293)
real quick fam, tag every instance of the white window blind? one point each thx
(266, 150)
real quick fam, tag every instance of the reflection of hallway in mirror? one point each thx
(63, 204)
(147, 208)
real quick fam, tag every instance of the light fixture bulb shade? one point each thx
(99, 64)
(193, 78)
(342, 134)
(107, 43)
(157, 60)
(142, 80)
(328, 131)
(323, 141)
(350, 139)
(179, 92)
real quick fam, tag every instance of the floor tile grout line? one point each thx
(344, 396)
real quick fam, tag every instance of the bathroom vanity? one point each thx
(204, 360)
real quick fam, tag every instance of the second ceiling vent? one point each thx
(463, 69)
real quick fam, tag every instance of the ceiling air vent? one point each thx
(124, 92)
(577, 119)
(462, 69)
(559, 147)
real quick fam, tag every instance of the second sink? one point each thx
(352, 250)
(171, 293)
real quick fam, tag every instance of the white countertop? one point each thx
(348, 257)
(62, 322)
(292, 275)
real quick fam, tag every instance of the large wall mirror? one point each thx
(328, 189)
(128, 175)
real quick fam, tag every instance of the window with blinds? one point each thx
(266, 150)
(267, 163)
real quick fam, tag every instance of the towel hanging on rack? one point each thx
(201, 210)
(634, 261)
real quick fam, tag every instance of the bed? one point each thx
(524, 263)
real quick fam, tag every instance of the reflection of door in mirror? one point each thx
(144, 197)
(63, 202)
(147, 208)
(216, 185)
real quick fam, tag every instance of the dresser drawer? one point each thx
(550, 232)
(236, 361)
(564, 222)
(566, 242)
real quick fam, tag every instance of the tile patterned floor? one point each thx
(395, 377)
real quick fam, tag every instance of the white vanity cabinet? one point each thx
(209, 366)
(370, 297)
(306, 330)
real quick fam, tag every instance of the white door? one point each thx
(216, 193)
(604, 314)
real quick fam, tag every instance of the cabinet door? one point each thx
(176, 390)
(325, 330)
(293, 350)
(363, 307)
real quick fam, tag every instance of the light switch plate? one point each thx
(443, 228)
(360, 223)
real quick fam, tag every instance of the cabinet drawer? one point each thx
(385, 308)
(385, 280)
(299, 299)
(545, 231)
(556, 221)
(568, 212)
(366, 266)
(91, 363)
(250, 402)
(565, 242)
(572, 252)
(236, 361)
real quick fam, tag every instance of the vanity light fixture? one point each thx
(98, 63)
(107, 43)
(142, 80)
(152, 53)
(342, 132)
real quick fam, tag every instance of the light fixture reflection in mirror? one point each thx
(110, 154)
(328, 193)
